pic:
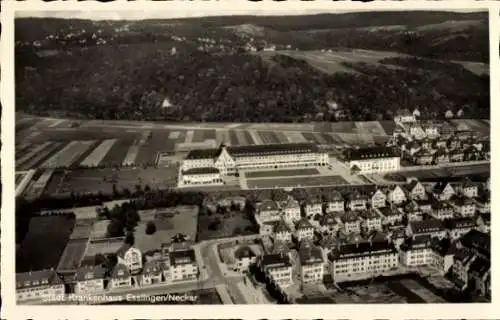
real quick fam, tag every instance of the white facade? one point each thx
(312, 272)
(377, 165)
(201, 179)
(335, 206)
(132, 258)
(378, 199)
(396, 195)
(89, 286)
(42, 291)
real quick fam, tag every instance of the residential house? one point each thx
(458, 227)
(152, 272)
(268, 210)
(311, 263)
(411, 149)
(335, 202)
(416, 191)
(480, 276)
(416, 251)
(431, 227)
(357, 201)
(461, 265)
(291, 209)
(370, 220)
(465, 206)
(244, 257)
(477, 242)
(443, 191)
(378, 199)
(351, 222)
(304, 230)
(484, 222)
(362, 258)
(472, 153)
(396, 195)
(277, 268)
(485, 153)
(441, 156)
(404, 116)
(454, 143)
(120, 277)
(391, 215)
(38, 285)
(313, 207)
(468, 188)
(426, 143)
(131, 257)
(441, 144)
(483, 202)
(442, 255)
(417, 131)
(425, 205)
(397, 236)
(328, 224)
(182, 263)
(431, 130)
(282, 231)
(90, 279)
(442, 210)
(423, 158)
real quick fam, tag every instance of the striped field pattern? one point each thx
(96, 156)
(66, 156)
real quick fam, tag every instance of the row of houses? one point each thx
(175, 262)
(383, 206)
(369, 259)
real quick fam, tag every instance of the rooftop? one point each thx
(353, 250)
(202, 170)
(371, 153)
(277, 260)
(37, 278)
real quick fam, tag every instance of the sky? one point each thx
(140, 15)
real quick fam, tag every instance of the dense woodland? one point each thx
(130, 75)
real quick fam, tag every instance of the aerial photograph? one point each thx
(236, 158)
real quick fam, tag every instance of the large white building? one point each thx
(373, 160)
(354, 259)
(230, 159)
(311, 263)
(278, 268)
(90, 280)
(201, 176)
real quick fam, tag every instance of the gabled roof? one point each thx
(425, 226)
(278, 260)
(352, 250)
(371, 153)
(369, 214)
(310, 254)
(304, 224)
(356, 195)
(90, 273)
(349, 217)
(268, 205)
(152, 267)
(335, 196)
(123, 249)
(281, 226)
(460, 223)
(440, 186)
(120, 271)
(182, 257)
(244, 252)
(37, 278)
(390, 211)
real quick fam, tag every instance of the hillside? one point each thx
(125, 69)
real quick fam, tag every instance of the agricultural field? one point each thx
(103, 246)
(476, 125)
(281, 173)
(67, 155)
(96, 156)
(73, 254)
(296, 182)
(44, 243)
(40, 157)
(168, 222)
(102, 179)
(333, 61)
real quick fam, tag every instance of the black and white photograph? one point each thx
(252, 157)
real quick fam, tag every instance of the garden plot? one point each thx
(242, 138)
(296, 137)
(31, 153)
(68, 154)
(133, 151)
(96, 156)
(255, 137)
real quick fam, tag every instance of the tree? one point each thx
(150, 228)
(130, 238)
(114, 229)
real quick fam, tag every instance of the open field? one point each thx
(184, 220)
(104, 246)
(333, 61)
(281, 173)
(44, 243)
(94, 180)
(67, 155)
(73, 255)
(473, 124)
(224, 225)
(296, 182)
(96, 156)
(39, 158)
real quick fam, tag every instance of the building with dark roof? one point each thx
(183, 265)
(228, 160)
(152, 272)
(201, 176)
(460, 226)
(90, 279)
(244, 257)
(373, 159)
(304, 230)
(362, 258)
(120, 277)
(278, 268)
(311, 262)
(431, 227)
(36, 285)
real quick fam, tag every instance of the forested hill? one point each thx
(203, 66)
